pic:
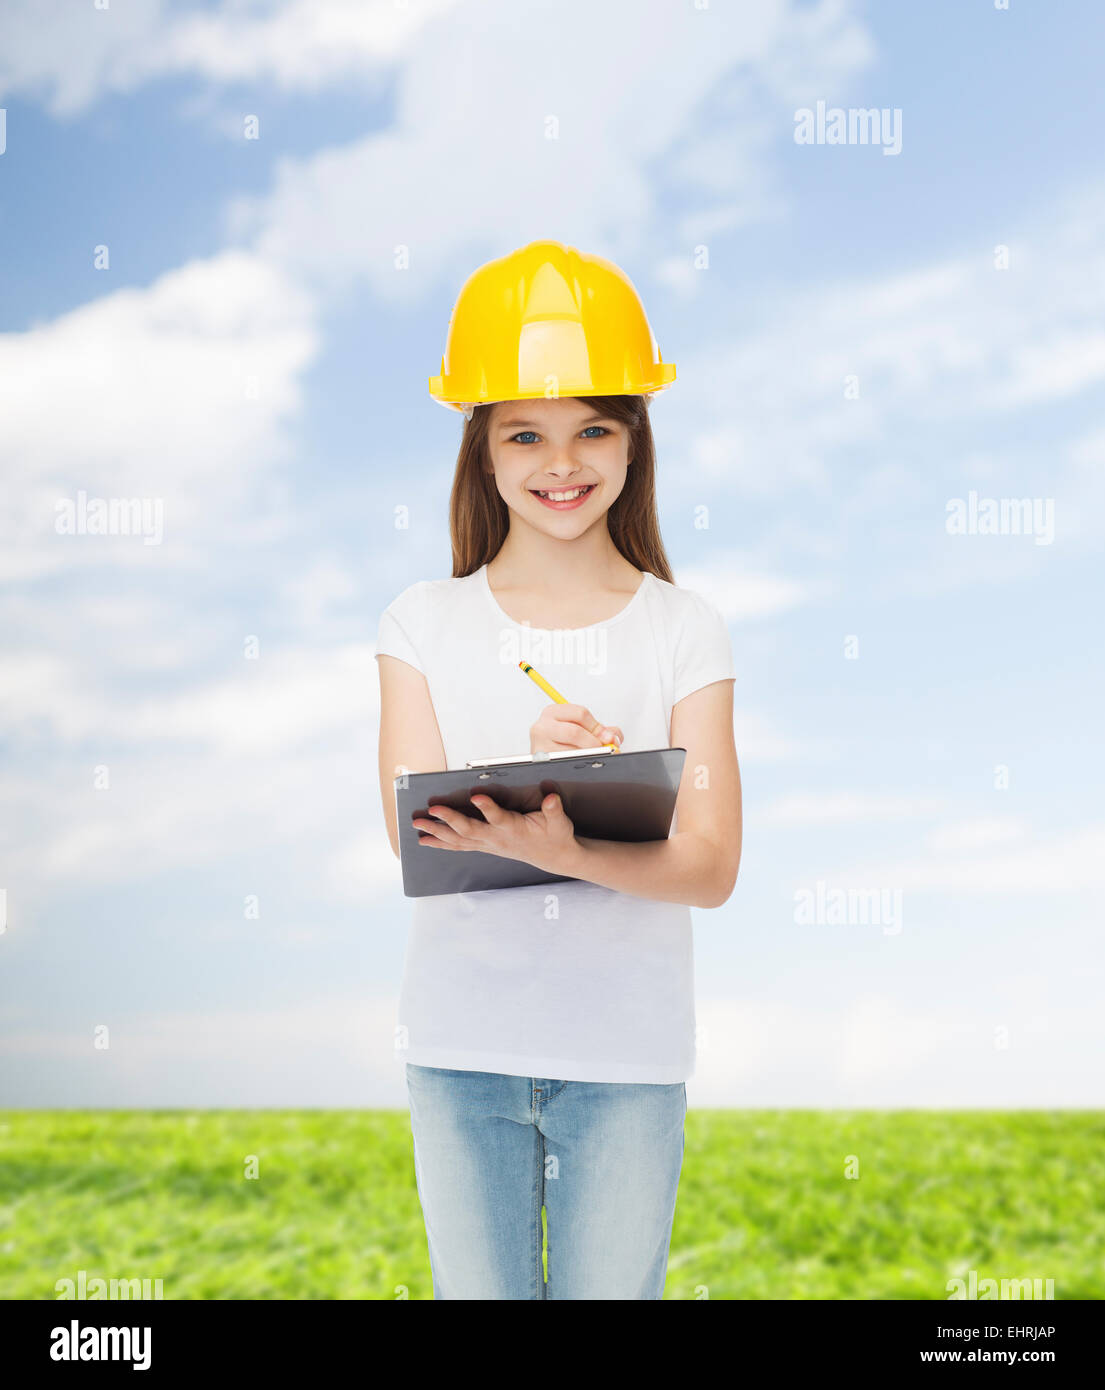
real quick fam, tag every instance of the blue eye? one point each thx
(533, 434)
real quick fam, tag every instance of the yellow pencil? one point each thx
(543, 683)
(545, 686)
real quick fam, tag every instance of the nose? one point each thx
(561, 465)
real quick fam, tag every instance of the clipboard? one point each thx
(606, 795)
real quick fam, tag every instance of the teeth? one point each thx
(564, 496)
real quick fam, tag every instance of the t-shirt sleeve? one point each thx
(703, 648)
(400, 631)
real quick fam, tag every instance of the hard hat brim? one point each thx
(665, 377)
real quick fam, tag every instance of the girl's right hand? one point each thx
(561, 727)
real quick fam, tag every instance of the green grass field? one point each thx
(765, 1208)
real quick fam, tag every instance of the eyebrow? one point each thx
(531, 425)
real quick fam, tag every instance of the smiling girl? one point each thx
(549, 1029)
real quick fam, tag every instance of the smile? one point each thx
(564, 498)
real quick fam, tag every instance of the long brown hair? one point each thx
(479, 518)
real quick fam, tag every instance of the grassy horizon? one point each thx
(765, 1208)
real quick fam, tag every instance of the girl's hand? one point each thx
(544, 838)
(560, 727)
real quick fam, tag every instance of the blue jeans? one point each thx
(603, 1159)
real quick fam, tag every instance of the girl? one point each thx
(549, 1029)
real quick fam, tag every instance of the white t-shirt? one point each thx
(566, 980)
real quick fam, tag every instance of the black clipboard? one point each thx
(607, 796)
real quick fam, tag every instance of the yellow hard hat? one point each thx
(547, 320)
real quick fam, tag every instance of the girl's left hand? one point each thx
(544, 838)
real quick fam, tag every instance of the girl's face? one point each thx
(559, 465)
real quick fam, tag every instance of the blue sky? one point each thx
(252, 358)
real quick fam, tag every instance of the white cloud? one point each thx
(74, 55)
(365, 870)
(312, 595)
(132, 624)
(870, 1049)
(179, 393)
(760, 740)
(334, 1051)
(199, 774)
(742, 593)
(1073, 862)
(978, 834)
(158, 379)
(930, 347)
(71, 55)
(196, 809)
(270, 706)
(843, 808)
(303, 45)
(474, 107)
(1080, 494)
(1064, 362)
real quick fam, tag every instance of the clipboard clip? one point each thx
(542, 757)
